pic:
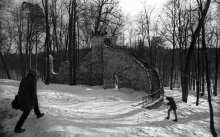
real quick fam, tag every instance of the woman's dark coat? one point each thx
(27, 95)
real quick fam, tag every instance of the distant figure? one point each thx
(116, 81)
(51, 65)
(27, 99)
(173, 107)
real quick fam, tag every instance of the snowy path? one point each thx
(82, 111)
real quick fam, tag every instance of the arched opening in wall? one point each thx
(107, 41)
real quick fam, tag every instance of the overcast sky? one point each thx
(133, 7)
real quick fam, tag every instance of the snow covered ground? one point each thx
(83, 111)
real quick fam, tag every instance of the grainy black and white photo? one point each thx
(109, 68)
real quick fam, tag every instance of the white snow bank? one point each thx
(83, 111)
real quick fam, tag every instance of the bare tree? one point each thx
(100, 15)
(2, 38)
(217, 56)
(34, 16)
(18, 19)
(72, 42)
(190, 51)
(173, 21)
(212, 127)
(217, 52)
(145, 28)
(54, 19)
(47, 40)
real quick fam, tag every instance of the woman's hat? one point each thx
(33, 72)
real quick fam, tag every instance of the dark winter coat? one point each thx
(171, 103)
(27, 95)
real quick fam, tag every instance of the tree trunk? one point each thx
(172, 62)
(150, 54)
(198, 74)
(163, 74)
(20, 28)
(27, 44)
(78, 57)
(74, 44)
(66, 46)
(172, 67)
(30, 54)
(216, 70)
(36, 52)
(61, 27)
(191, 48)
(71, 44)
(4, 65)
(30, 47)
(47, 81)
(203, 73)
(212, 127)
(45, 62)
(54, 37)
(194, 84)
(180, 46)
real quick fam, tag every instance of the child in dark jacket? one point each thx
(173, 107)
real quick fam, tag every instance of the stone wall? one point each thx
(97, 59)
(90, 72)
(63, 75)
(105, 65)
(130, 72)
(83, 73)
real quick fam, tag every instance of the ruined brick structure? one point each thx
(105, 65)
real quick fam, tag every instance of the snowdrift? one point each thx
(84, 111)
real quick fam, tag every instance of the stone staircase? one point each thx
(105, 61)
(155, 80)
(155, 97)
